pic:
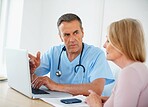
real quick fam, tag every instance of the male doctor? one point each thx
(75, 67)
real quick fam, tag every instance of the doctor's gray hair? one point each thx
(68, 18)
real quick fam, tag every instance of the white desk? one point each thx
(12, 98)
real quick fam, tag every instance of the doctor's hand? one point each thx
(44, 80)
(93, 100)
(34, 62)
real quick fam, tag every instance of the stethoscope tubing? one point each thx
(59, 73)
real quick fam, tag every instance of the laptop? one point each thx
(18, 74)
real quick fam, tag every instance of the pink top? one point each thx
(131, 89)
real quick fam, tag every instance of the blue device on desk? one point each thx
(71, 101)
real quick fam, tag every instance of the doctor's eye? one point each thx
(66, 34)
(76, 32)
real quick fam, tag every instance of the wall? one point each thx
(14, 23)
(39, 30)
(91, 16)
(31, 28)
(10, 28)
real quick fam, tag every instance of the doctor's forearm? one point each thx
(76, 89)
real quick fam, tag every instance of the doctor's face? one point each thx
(112, 53)
(71, 34)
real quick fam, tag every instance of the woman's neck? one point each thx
(123, 62)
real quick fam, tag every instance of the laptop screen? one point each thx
(18, 73)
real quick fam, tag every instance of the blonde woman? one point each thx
(125, 47)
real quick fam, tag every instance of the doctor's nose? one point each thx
(72, 38)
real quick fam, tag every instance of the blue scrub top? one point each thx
(93, 59)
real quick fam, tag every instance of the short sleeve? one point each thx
(102, 69)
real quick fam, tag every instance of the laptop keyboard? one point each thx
(38, 91)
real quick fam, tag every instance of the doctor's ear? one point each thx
(61, 38)
(82, 33)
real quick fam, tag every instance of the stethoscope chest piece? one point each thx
(58, 73)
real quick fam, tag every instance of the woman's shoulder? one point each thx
(137, 71)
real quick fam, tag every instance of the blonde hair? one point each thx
(127, 36)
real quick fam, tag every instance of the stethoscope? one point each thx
(59, 73)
